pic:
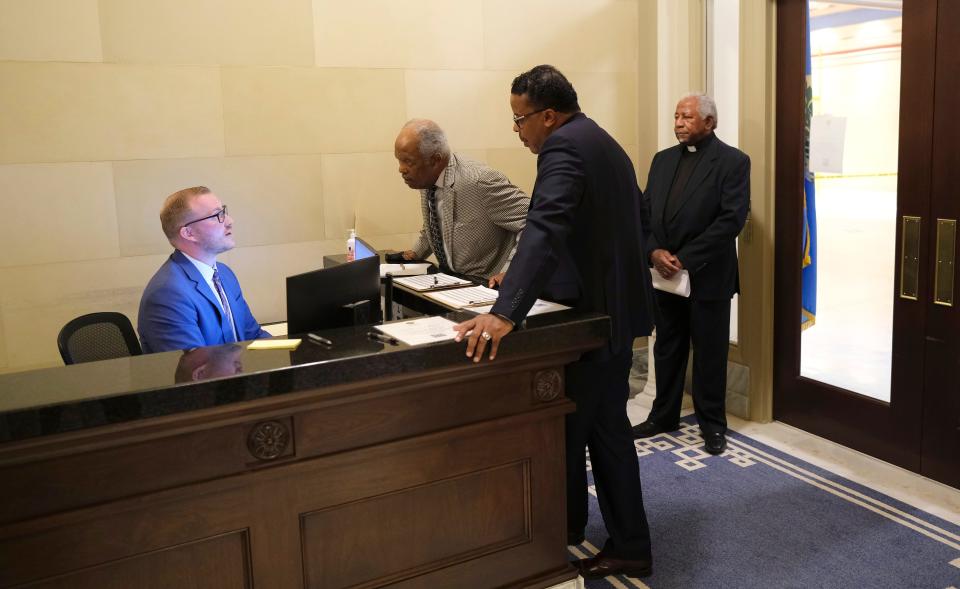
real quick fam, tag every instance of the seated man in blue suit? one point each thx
(192, 300)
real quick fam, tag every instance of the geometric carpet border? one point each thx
(684, 449)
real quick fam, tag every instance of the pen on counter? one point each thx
(319, 339)
(383, 338)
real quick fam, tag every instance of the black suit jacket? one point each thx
(583, 243)
(703, 228)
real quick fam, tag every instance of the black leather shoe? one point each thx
(714, 443)
(575, 539)
(601, 566)
(649, 428)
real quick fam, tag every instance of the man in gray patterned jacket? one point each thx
(472, 214)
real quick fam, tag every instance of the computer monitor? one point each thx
(342, 295)
(363, 249)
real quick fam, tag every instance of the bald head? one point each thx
(209, 362)
(422, 153)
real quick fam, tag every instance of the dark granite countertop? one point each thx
(57, 400)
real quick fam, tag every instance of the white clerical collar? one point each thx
(691, 148)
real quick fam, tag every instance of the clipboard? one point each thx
(428, 282)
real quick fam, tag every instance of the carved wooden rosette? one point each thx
(268, 440)
(547, 385)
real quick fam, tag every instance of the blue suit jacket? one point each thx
(584, 240)
(179, 311)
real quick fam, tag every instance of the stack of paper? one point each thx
(274, 344)
(459, 298)
(275, 329)
(431, 282)
(425, 330)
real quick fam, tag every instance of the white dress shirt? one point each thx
(207, 272)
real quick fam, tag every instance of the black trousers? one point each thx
(600, 390)
(707, 324)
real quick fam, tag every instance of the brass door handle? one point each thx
(946, 256)
(910, 258)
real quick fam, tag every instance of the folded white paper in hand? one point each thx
(678, 285)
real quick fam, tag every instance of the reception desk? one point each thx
(359, 465)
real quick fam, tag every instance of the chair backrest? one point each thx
(98, 336)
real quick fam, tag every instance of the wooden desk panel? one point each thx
(451, 477)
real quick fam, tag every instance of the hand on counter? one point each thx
(480, 331)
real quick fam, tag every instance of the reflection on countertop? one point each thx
(56, 400)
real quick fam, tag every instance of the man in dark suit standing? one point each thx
(698, 195)
(582, 246)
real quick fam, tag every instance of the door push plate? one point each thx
(946, 256)
(910, 258)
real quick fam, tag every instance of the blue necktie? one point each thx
(226, 305)
(436, 237)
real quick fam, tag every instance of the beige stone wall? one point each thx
(287, 109)
(757, 135)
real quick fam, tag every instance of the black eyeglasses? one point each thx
(220, 215)
(518, 119)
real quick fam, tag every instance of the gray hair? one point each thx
(430, 138)
(706, 106)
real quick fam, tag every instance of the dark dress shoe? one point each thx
(649, 428)
(602, 566)
(714, 443)
(575, 539)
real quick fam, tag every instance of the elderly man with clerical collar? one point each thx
(472, 214)
(698, 194)
(193, 300)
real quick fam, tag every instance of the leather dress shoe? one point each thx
(714, 443)
(649, 428)
(575, 539)
(601, 566)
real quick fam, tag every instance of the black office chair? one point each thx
(98, 336)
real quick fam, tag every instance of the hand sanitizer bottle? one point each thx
(352, 245)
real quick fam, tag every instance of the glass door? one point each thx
(855, 82)
(851, 209)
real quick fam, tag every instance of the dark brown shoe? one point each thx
(602, 566)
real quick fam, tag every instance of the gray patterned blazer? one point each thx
(481, 217)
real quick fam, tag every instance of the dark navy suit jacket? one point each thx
(702, 230)
(179, 311)
(584, 239)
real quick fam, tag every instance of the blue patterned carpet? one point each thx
(758, 518)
